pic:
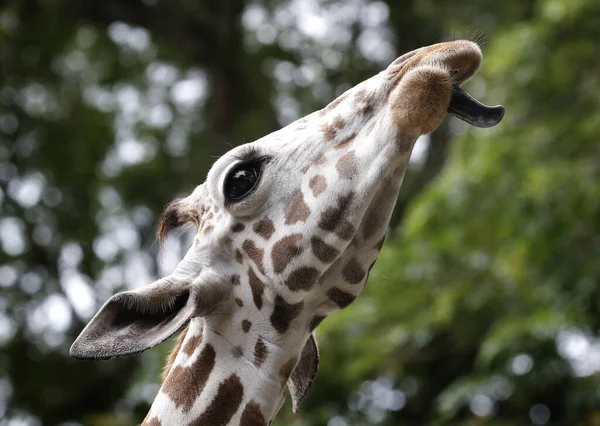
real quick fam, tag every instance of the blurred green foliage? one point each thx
(484, 307)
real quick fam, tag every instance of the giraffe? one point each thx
(287, 230)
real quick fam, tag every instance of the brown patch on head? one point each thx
(191, 344)
(323, 251)
(297, 210)
(315, 321)
(246, 325)
(317, 184)
(170, 219)
(333, 219)
(224, 405)
(284, 313)
(353, 271)
(185, 384)
(302, 278)
(260, 352)
(238, 302)
(235, 279)
(339, 297)
(284, 251)
(347, 165)
(252, 416)
(238, 227)
(346, 141)
(254, 253)
(173, 354)
(264, 228)
(257, 287)
(286, 369)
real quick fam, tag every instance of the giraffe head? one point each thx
(287, 227)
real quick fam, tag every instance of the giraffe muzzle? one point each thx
(468, 109)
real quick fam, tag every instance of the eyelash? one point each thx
(247, 154)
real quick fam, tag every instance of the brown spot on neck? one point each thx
(323, 251)
(224, 405)
(246, 325)
(333, 219)
(191, 344)
(284, 251)
(284, 313)
(185, 384)
(353, 271)
(252, 415)
(315, 321)
(286, 369)
(173, 354)
(302, 278)
(340, 298)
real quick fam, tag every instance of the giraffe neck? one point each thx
(216, 382)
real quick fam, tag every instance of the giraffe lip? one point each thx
(470, 110)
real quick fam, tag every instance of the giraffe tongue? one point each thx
(468, 109)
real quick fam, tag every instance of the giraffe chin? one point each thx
(468, 109)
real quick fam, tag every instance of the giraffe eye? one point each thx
(242, 180)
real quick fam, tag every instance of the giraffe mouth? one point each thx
(470, 110)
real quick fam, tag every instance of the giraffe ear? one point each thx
(304, 373)
(134, 321)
